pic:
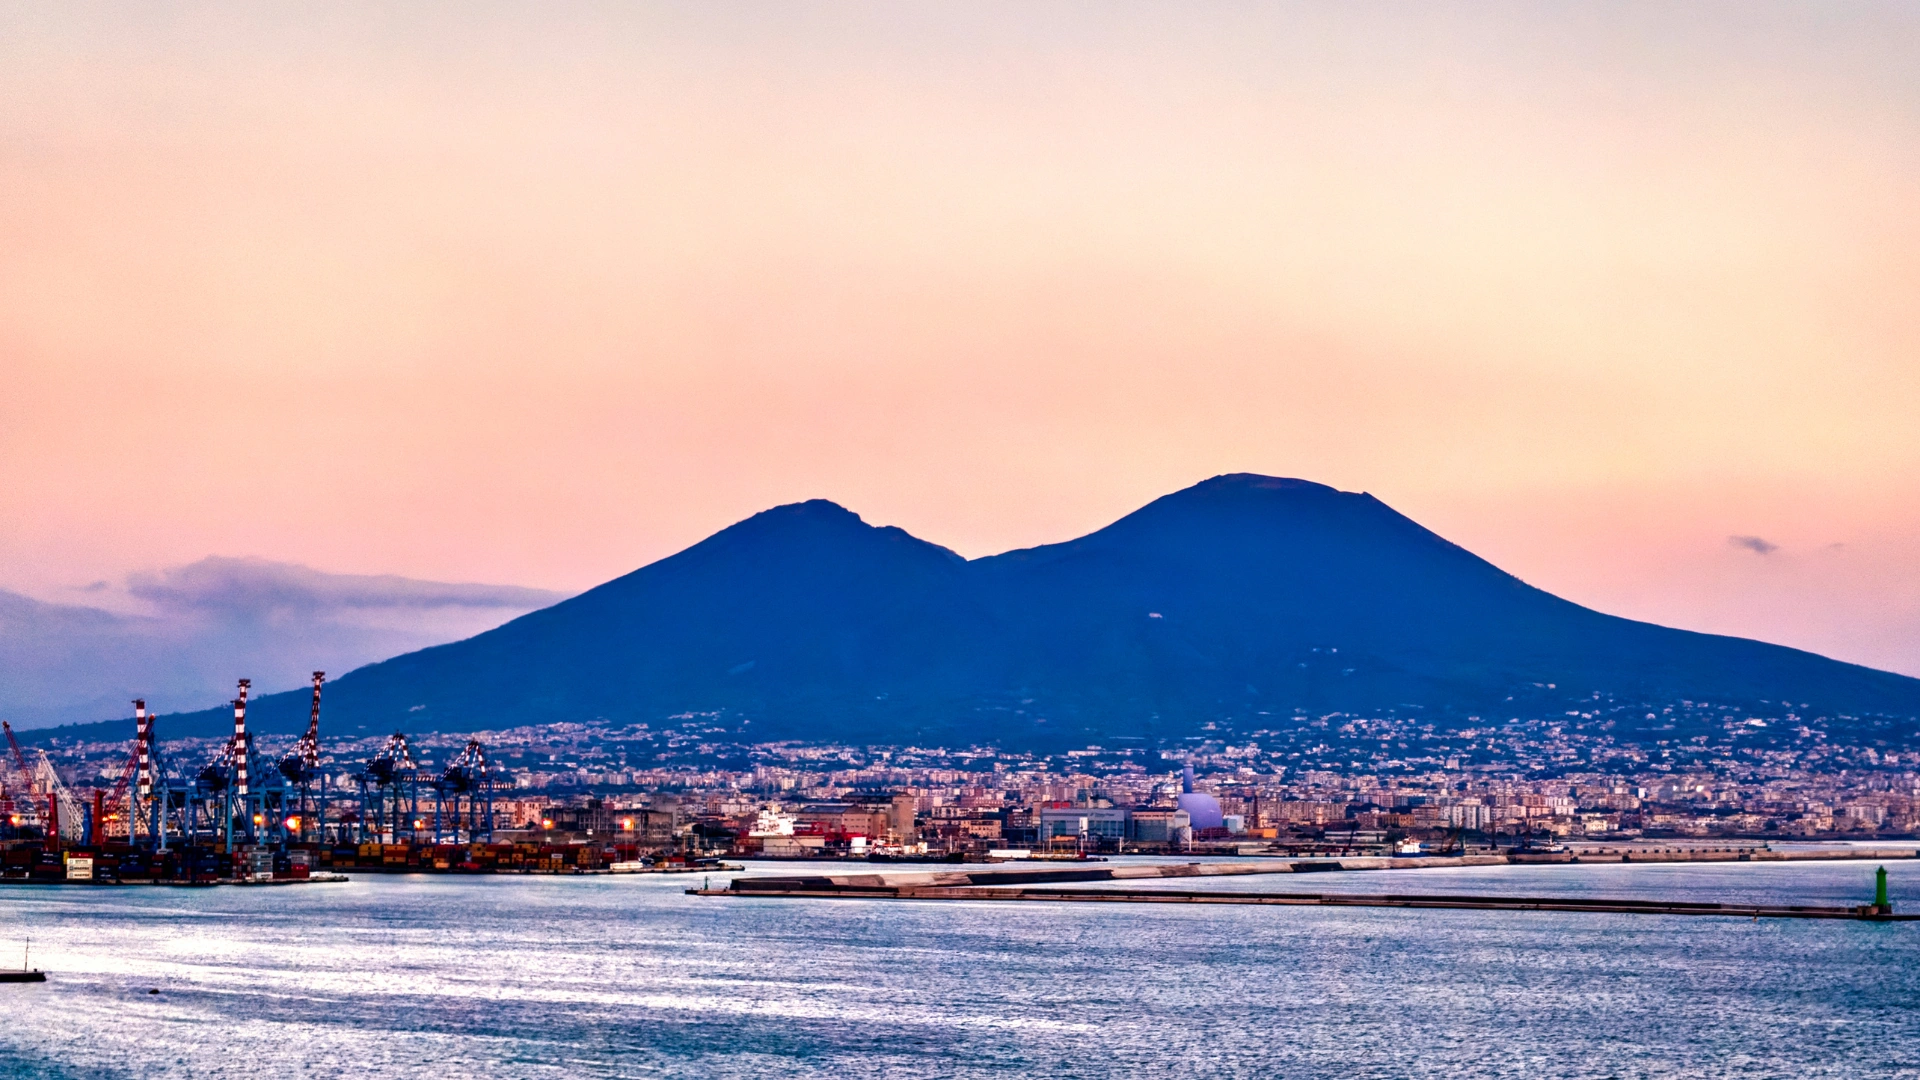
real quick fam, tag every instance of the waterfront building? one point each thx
(1104, 823)
(1160, 825)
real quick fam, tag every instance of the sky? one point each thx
(1625, 298)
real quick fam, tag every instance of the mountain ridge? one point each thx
(1241, 596)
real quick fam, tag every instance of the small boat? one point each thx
(24, 975)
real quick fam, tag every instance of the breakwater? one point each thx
(1043, 885)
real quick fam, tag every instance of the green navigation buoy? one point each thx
(1880, 902)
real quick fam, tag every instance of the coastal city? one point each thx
(960, 541)
(1611, 772)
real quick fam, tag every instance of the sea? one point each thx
(629, 976)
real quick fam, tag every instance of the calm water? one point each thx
(538, 977)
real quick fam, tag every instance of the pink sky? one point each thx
(535, 295)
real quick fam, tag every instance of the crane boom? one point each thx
(310, 743)
(18, 776)
(24, 773)
(136, 760)
(19, 758)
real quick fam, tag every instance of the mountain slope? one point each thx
(1239, 596)
(1299, 594)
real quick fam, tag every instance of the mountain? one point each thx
(1240, 596)
(62, 661)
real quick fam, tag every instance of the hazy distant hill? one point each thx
(1241, 595)
(180, 636)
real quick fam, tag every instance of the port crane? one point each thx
(463, 796)
(19, 784)
(390, 792)
(114, 807)
(301, 769)
(241, 801)
(63, 818)
(395, 784)
(235, 797)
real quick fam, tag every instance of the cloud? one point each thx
(259, 588)
(201, 626)
(1754, 544)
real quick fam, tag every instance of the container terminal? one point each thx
(225, 811)
(245, 818)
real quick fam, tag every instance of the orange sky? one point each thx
(537, 295)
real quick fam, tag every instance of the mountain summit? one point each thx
(1241, 596)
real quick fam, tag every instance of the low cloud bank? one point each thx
(184, 634)
(258, 588)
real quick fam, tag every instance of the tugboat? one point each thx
(24, 975)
